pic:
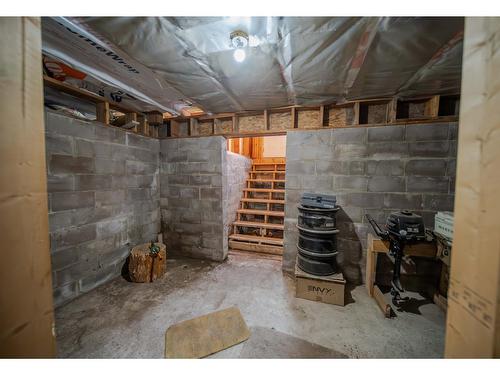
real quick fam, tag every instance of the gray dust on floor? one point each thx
(126, 320)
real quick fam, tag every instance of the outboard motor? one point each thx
(401, 228)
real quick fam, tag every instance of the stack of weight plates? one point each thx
(317, 245)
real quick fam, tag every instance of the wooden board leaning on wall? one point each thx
(274, 121)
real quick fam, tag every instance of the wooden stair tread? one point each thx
(257, 239)
(269, 163)
(255, 224)
(265, 190)
(261, 212)
(263, 200)
(267, 171)
(263, 180)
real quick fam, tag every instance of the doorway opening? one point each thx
(259, 219)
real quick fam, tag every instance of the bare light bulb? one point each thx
(239, 55)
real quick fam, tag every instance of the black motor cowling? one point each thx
(409, 222)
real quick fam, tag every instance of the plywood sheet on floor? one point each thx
(206, 334)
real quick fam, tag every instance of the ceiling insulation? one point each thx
(171, 63)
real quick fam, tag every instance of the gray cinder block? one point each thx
(366, 200)
(424, 184)
(426, 167)
(57, 183)
(68, 200)
(430, 132)
(110, 134)
(327, 167)
(358, 183)
(84, 182)
(61, 164)
(386, 134)
(384, 167)
(387, 150)
(348, 135)
(403, 201)
(58, 144)
(386, 183)
(72, 236)
(429, 149)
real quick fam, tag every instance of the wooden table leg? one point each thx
(371, 266)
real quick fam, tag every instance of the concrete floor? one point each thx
(127, 320)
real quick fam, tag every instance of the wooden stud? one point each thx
(131, 117)
(193, 126)
(356, 113)
(247, 147)
(102, 112)
(432, 107)
(266, 120)
(391, 111)
(322, 113)
(293, 115)
(143, 125)
(155, 117)
(235, 124)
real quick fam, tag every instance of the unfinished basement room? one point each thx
(250, 187)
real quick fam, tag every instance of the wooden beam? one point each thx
(102, 112)
(81, 94)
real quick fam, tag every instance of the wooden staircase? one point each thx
(260, 219)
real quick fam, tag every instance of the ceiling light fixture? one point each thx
(239, 41)
(239, 55)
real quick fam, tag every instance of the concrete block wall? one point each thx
(103, 192)
(191, 191)
(234, 181)
(375, 170)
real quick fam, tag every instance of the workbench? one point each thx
(375, 246)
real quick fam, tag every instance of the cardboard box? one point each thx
(326, 289)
